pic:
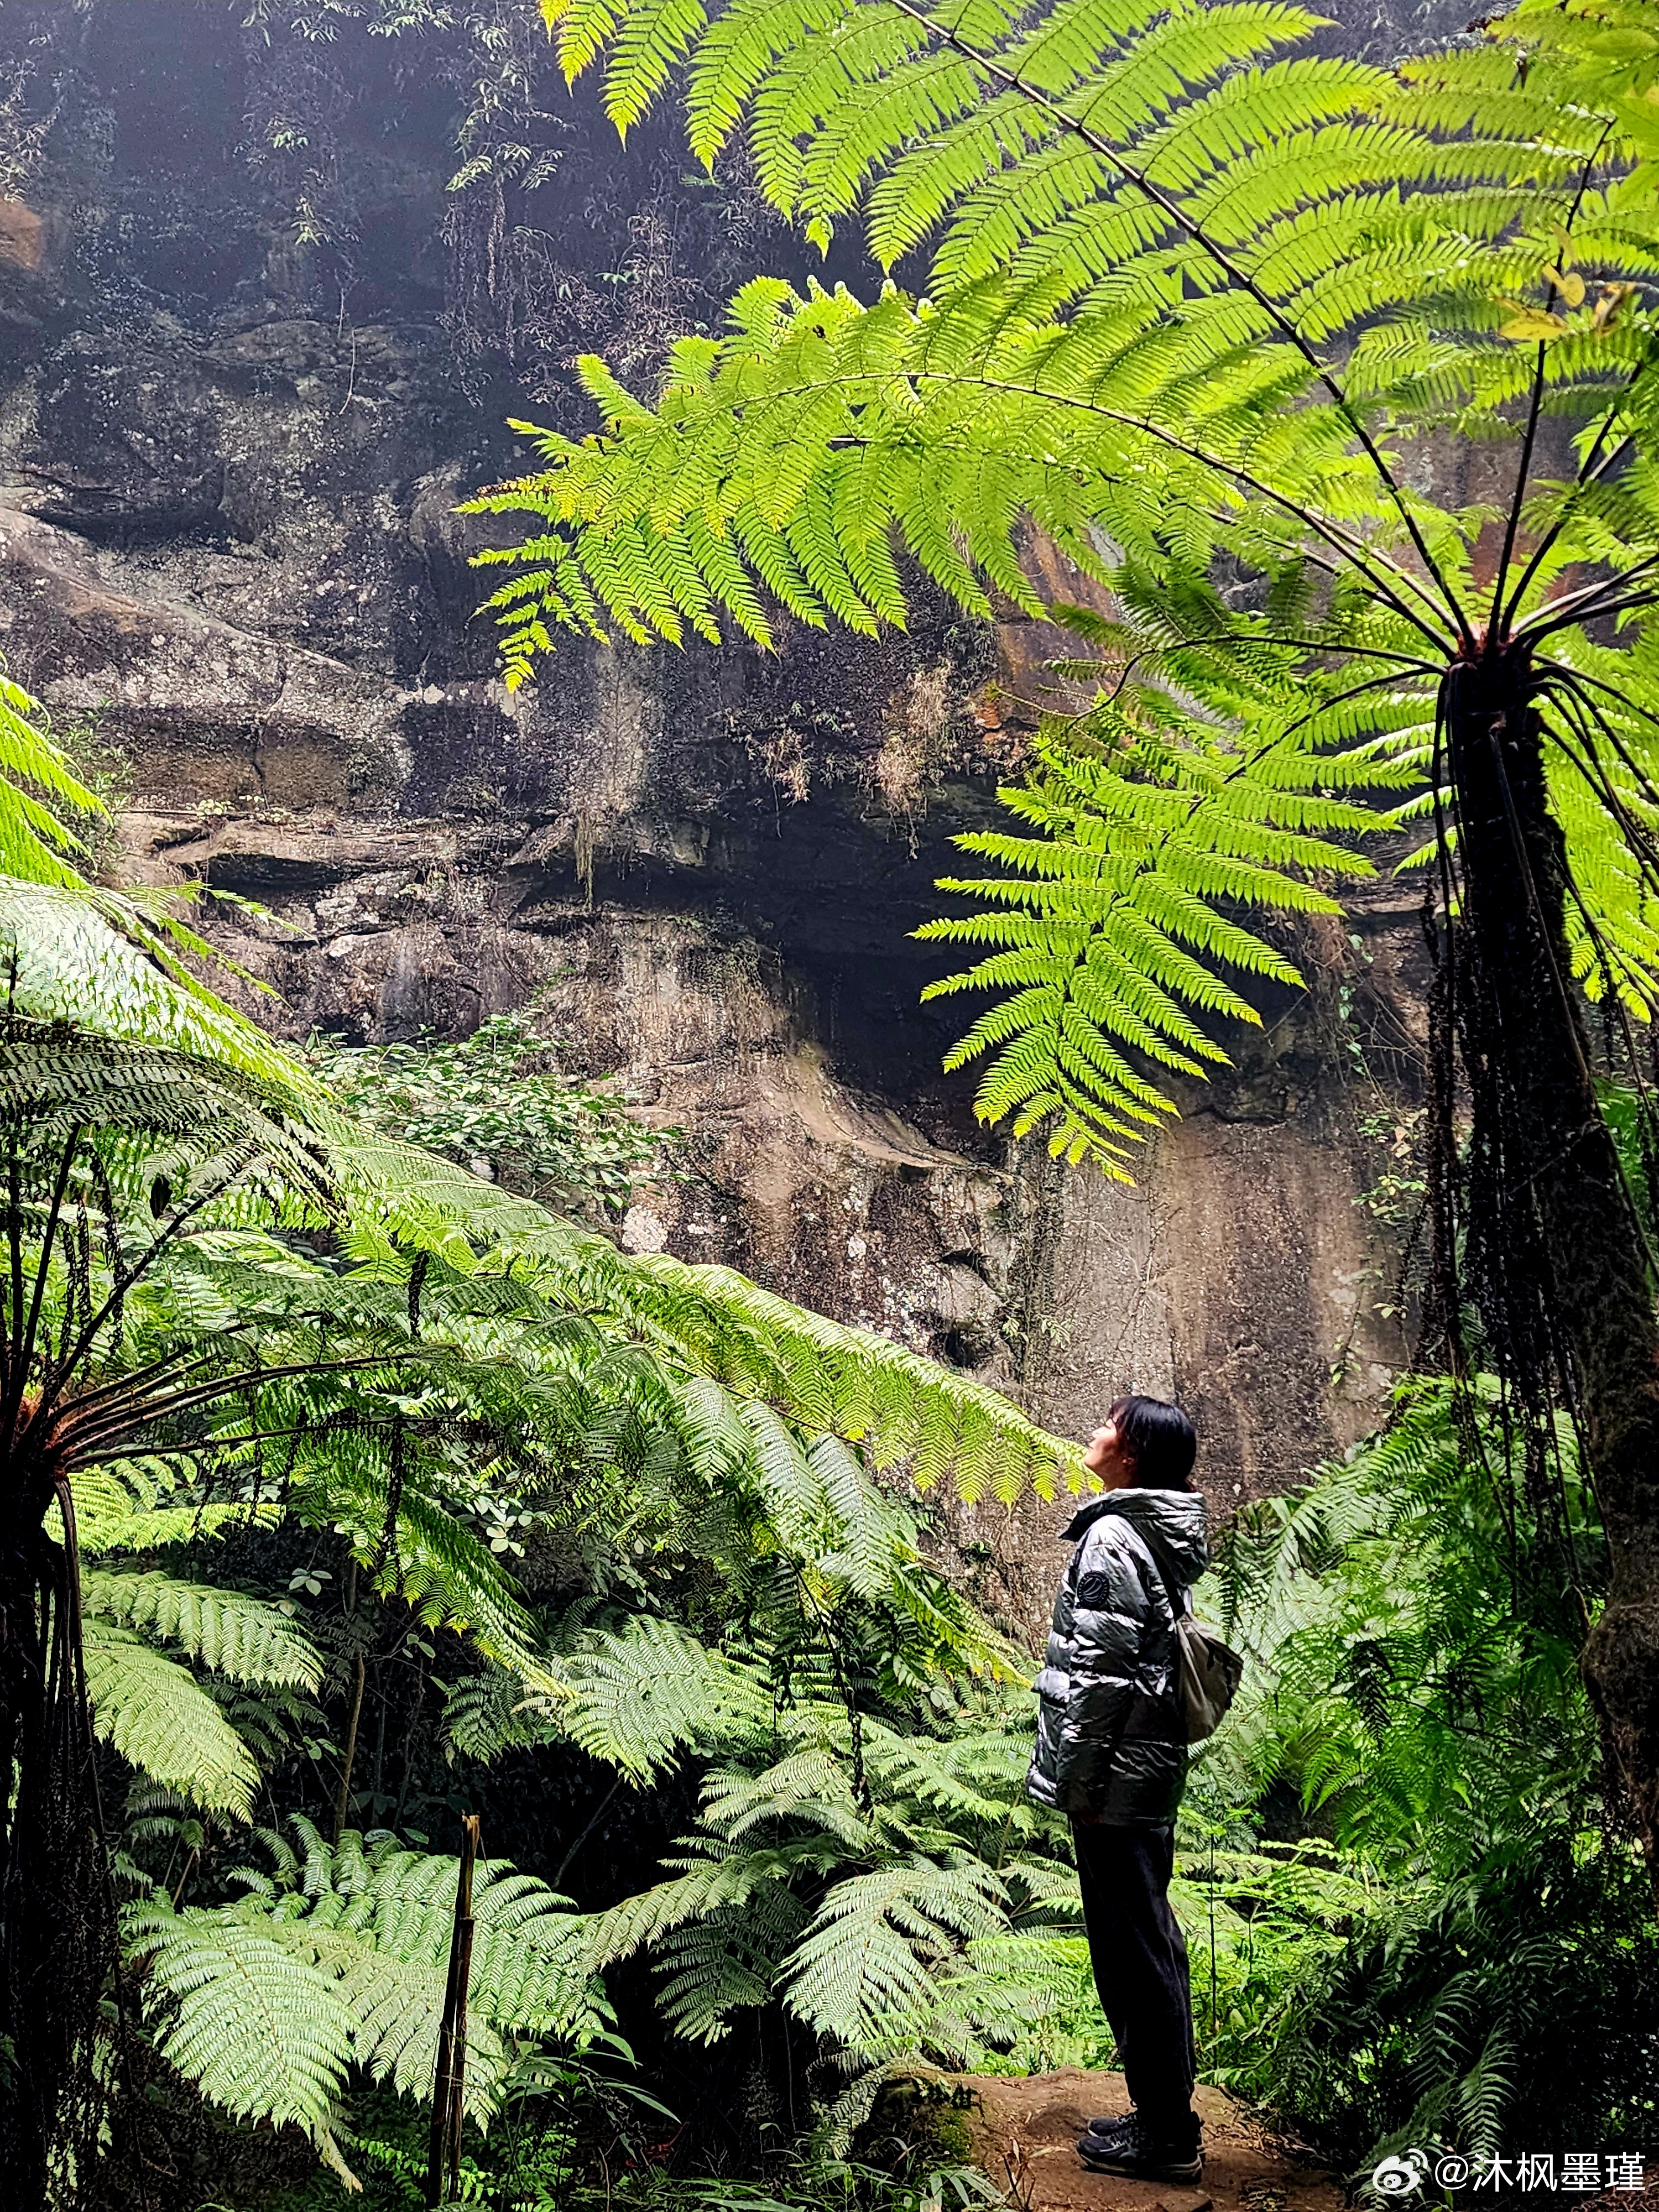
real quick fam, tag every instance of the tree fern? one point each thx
(187, 1363)
(1191, 300)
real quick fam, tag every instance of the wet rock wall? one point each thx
(230, 455)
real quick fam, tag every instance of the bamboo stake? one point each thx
(443, 2171)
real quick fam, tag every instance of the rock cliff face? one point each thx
(235, 415)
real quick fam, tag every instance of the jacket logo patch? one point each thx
(1094, 1592)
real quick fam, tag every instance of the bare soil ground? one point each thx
(1024, 2132)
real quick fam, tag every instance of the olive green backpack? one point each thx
(1207, 1671)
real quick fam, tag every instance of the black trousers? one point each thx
(1139, 1957)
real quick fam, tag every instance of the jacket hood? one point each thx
(1173, 1522)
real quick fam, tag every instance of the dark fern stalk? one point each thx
(449, 2088)
(80, 1120)
(1553, 1251)
(57, 1915)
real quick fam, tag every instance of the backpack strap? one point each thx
(1179, 1599)
(1180, 1594)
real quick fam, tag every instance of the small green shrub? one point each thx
(498, 1103)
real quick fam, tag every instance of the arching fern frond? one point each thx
(115, 963)
(266, 2031)
(1115, 923)
(157, 1715)
(244, 1637)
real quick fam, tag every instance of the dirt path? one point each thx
(1024, 2132)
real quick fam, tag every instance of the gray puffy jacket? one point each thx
(1110, 1742)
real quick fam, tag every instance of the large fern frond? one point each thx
(244, 1638)
(157, 1715)
(1192, 300)
(115, 963)
(348, 1948)
(1114, 926)
(864, 1971)
(266, 2031)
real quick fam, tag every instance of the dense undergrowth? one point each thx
(627, 1558)
(750, 1769)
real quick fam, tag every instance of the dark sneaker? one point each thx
(1112, 2124)
(1135, 2153)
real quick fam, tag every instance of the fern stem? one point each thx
(604, 1807)
(1580, 606)
(1579, 677)
(1354, 550)
(1535, 412)
(1592, 469)
(126, 1279)
(175, 1363)
(14, 1240)
(43, 1269)
(1608, 610)
(1299, 644)
(343, 1800)
(88, 1440)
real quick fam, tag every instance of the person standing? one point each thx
(1111, 1755)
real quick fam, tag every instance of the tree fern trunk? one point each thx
(1587, 1276)
(57, 1927)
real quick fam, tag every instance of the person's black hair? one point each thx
(1159, 1439)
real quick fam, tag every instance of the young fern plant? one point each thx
(1195, 306)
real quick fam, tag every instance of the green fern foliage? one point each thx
(1195, 302)
(873, 1875)
(1406, 1628)
(243, 1637)
(637, 1699)
(39, 786)
(339, 1959)
(1413, 1624)
(263, 2029)
(161, 1720)
(1113, 922)
(861, 1969)
(114, 963)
